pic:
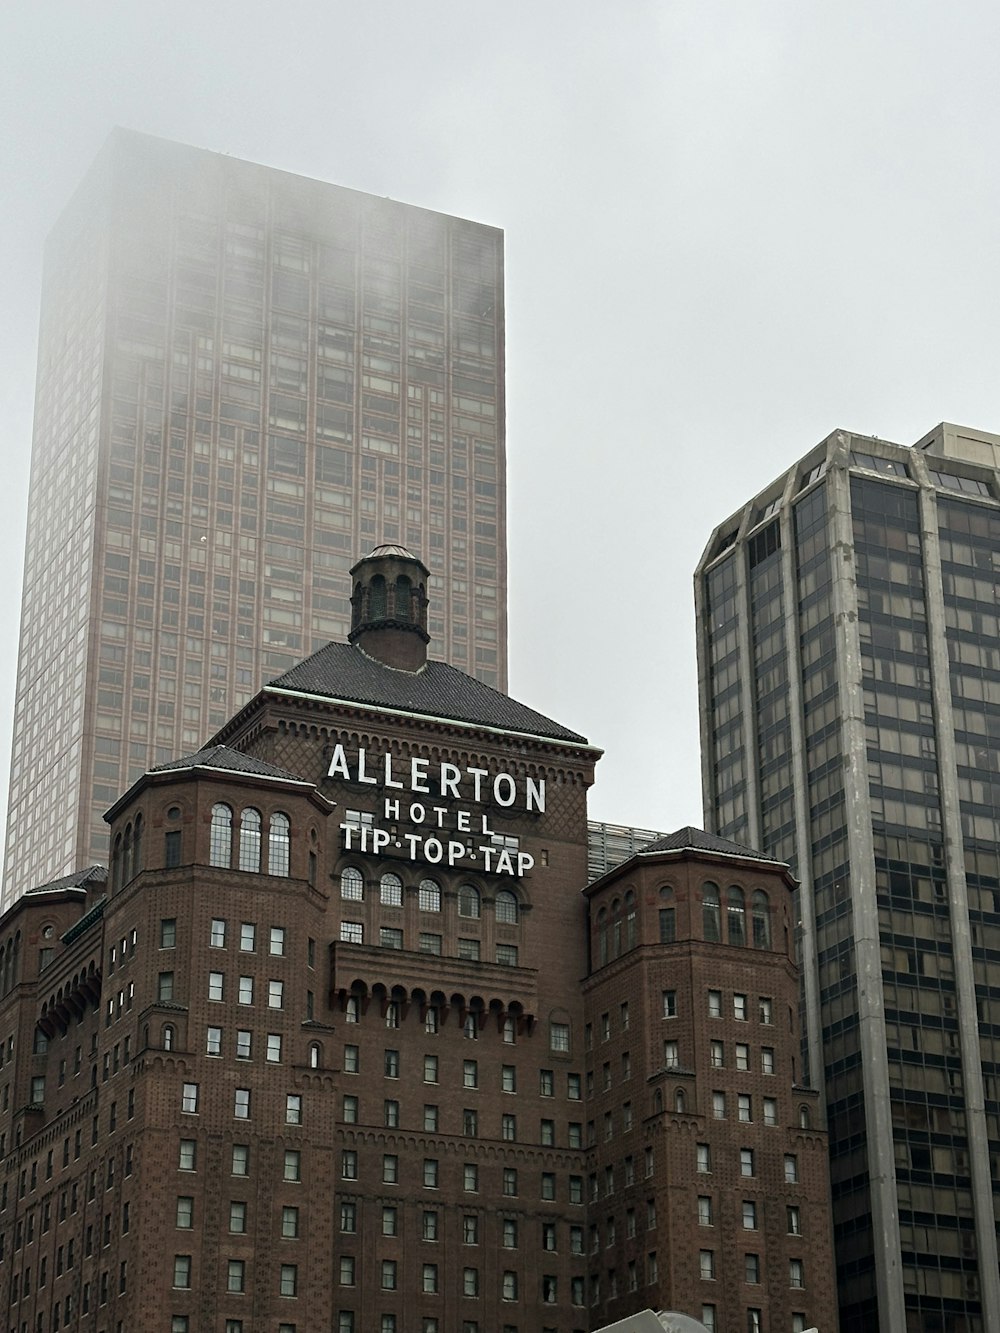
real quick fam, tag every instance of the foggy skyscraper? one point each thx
(246, 379)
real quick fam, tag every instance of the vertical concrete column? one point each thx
(958, 900)
(864, 909)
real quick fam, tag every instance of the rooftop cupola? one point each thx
(389, 607)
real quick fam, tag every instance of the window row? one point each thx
(218, 936)
(245, 989)
(187, 1159)
(742, 1059)
(506, 908)
(430, 1281)
(750, 1214)
(251, 840)
(238, 1217)
(751, 1269)
(745, 1108)
(392, 1068)
(465, 1122)
(734, 902)
(236, 1275)
(391, 937)
(191, 1094)
(741, 1007)
(748, 1163)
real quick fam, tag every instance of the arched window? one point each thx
(116, 864)
(278, 845)
(390, 890)
(761, 910)
(168, 1037)
(506, 907)
(468, 901)
(680, 1101)
(657, 1101)
(352, 1011)
(352, 885)
(711, 919)
(804, 1120)
(250, 839)
(377, 599)
(127, 854)
(403, 596)
(315, 1055)
(137, 848)
(221, 843)
(602, 935)
(668, 916)
(429, 896)
(470, 1027)
(630, 921)
(616, 928)
(736, 916)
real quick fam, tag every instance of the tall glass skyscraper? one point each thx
(246, 380)
(849, 666)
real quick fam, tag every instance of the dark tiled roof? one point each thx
(697, 840)
(221, 757)
(82, 879)
(342, 671)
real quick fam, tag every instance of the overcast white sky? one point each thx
(731, 228)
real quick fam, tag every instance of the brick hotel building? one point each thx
(339, 1041)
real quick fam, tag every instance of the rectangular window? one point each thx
(468, 949)
(390, 1219)
(217, 938)
(509, 1182)
(751, 1267)
(705, 1210)
(246, 990)
(241, 1159)
(277, 941)
(388, 1274)
(185, 1212)
(182, 1271)
(288, 1280)
(470, 1177)
(349, 1164)
(470, 1074)
(428, 942)
(349, 1218)
(791, 1168)
(792, 1225)
(706, 1265)
(390, 1169)
(546, 1083)
(276, 994)
(216, 982)
(391, 1064)
(244, 1043)
(189, 1099)
(241, 1104)
(719, 1105)
(671, 1056)
(744, 1108)
(248, 937)
(746, 1162)
(168, 933)
(765, 1009)
(430, 1069)
(704, 1158)
(390, 937)
(749, 1215)
(352, 1059)
(795, 1273)
(770, 1111)
(742, 1055)
(213, 1041)
(669, 1004)
(715, 1004)
(186, 1158)
(430, 1173)
(274, 1047)
(293, 1108)
(717, 1052)
(293, 1164)
(237, 1217)
(429, 1225)
(740, 1008)
(506, 955)
(767, 1060)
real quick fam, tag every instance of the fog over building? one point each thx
(244, 378)
(849, 665)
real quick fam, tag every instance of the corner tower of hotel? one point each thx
(849, 667)
(244, 378)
